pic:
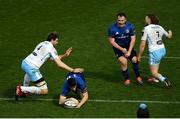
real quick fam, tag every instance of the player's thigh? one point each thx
(156, 56)
(118, 53)
(33, 73)
(123, 61)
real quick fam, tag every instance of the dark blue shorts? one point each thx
(119, 53)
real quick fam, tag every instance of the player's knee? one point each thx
(123, 61)
(134, 60)
(44, 91)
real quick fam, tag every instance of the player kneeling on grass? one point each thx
(153, 33)
(76, 83)
(35, 60)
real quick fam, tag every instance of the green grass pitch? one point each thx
(83, 25)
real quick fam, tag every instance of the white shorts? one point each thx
(33, 73)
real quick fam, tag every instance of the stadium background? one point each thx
(83, 25)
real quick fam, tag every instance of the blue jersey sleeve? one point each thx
(111, 32)
(83, 88)
(132, 30)
(65, 89)
(82, 85)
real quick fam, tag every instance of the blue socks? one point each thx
(136, 69)
(125, 74)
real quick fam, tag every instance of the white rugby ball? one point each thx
(71, 103)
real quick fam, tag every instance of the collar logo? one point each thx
(117, 33)
(127, 30)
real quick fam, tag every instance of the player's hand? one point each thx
(68, 51)
(124, 50)
(139, 58)
(78, 70)
(127, 54)
(170, 34)
(78, 106)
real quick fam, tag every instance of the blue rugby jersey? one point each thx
(122, 35)
(81, 84)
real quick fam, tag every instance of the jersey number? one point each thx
(157, 32)
(34, 53)
(159, 42)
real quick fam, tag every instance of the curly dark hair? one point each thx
(154, 19)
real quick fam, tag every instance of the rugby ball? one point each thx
(71, 103)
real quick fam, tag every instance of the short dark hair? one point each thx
(121, 14)
(71, 82)
(154, 19)
(52, 36)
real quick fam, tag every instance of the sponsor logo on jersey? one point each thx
(127, 30)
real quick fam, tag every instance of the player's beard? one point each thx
(121, 25)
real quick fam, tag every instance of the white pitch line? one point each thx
(170, 57)
(136, 101)
(101, 101)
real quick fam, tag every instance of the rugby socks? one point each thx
(161, 78)
(31, 89)
(26, 80)
(136, 69)
(125, 74)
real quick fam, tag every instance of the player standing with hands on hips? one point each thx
(153, 34)
(32, 63)
(122, 37)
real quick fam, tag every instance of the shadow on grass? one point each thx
(55, 100)
(114, 77)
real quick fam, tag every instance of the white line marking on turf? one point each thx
(170, 57)
(136, 101)
(101, 101)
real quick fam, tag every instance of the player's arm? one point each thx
(142, 44)
(66, 54)
(131, 46)
(66, 67)
(141, 49)
(62, 99)
(111, 39)
(133, 40)
(114, 44)
(167, 34)
(64, 92)
(83, 100)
